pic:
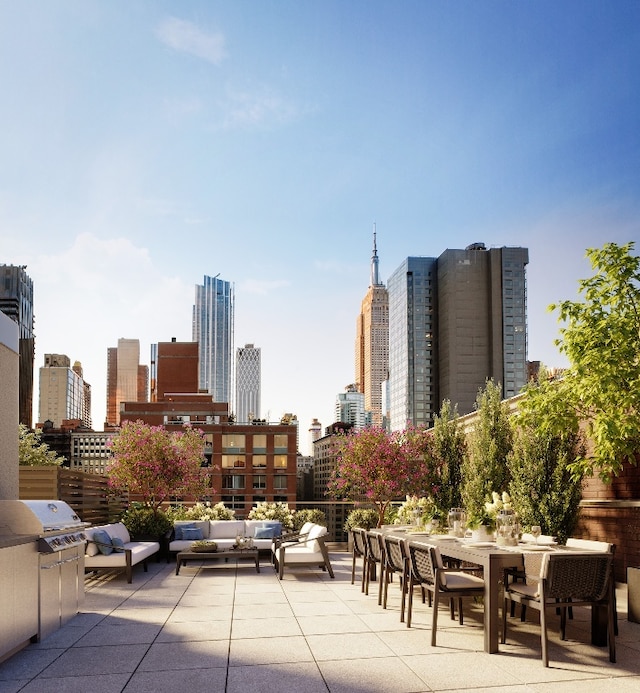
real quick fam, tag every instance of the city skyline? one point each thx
(151, 144)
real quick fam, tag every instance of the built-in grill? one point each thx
(61, 541)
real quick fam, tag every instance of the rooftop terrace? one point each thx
(222, 628)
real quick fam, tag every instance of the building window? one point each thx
(259, 481)
(280, 499)
(279, 482)
(232, 481)
(233, 442)
(233, 461)
(259, 499)
(259, 442)
(233, 502)
(280, 443)
(280, 461)
(260, 461)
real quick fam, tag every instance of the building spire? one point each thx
(374, 261)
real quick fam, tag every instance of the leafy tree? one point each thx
(32, 452)
(156, 464)
(381, 467)
(450, 445)
(543, 489)
(602, 342)
(484, 469)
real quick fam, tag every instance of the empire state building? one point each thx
(372, 343)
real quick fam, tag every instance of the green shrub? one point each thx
(308, 515)
(142, 521)
(361, 517)
(273, 511)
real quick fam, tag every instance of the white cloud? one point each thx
(185, 37)
(94, 291)
(263, 107)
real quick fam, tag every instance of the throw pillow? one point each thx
(181, 527)
(265, 532)
(105, 546)
(118, 544)
(192, 533)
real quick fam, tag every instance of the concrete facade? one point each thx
(9, 397)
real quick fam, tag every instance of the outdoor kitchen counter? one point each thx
(19, 590)
(7, 540)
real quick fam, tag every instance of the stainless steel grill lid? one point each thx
(38, 516)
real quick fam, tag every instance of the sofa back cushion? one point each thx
(119, 530)
(315, 532)
(105, 546)
(225, 529)
(306, 527)
(263, 529)
(180, 525)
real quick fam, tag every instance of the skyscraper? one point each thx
(482, 319)
(454, 322)
(212, 328)
(127, 379)
(247, 383)
(372, 342)
(62, 392)
(413, 391)
(16, 301)
(350, 408)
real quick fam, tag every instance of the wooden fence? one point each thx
(88, 494)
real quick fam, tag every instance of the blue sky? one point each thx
(147, 143)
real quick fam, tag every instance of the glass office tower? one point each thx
(213, 330)
(412, 356)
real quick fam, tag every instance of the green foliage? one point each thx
(450, 446)
(382, 467)
(361, 517)
(201, 511)
(544, 490)
(267, 510)
(484, 469)
(142, 521)
(601, 339)
(406, 513)
(156, 464)
(314, 515)
(32, 452)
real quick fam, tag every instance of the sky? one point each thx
(146, 144)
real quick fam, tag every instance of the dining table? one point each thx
(494, 560)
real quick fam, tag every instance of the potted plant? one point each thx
(144, 523)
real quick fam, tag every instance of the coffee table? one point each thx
(184, 556)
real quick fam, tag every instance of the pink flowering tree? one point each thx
(156, 464)
(380, 467)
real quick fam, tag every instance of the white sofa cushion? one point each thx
(225, 529)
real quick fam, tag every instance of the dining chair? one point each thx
(593, 545)
(579, 579)
(375, 561)
(395, 563)
(359, 550)
(426, 568)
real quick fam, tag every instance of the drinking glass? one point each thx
(536, 531)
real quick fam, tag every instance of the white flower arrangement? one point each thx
(497, 504)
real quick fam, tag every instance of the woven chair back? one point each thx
(580, 577)
(422, 563)
(359, 542)
(394, 553)
(374, 546)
